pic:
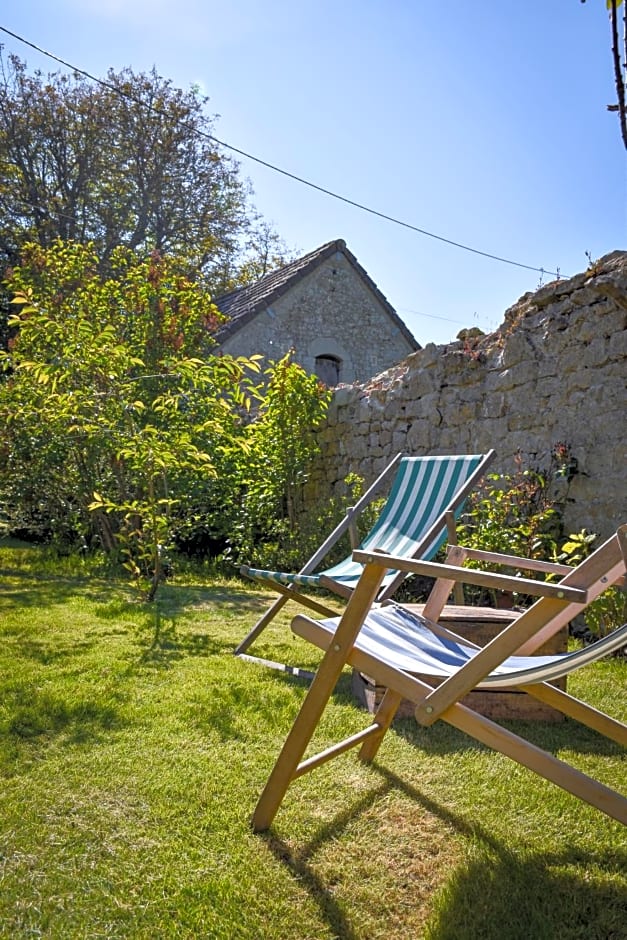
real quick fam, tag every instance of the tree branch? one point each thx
(620, 83)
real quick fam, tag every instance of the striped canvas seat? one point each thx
(423, 490)
(405, 640)
(412, 524)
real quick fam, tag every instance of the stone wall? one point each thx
(554, 371)
(333, 312)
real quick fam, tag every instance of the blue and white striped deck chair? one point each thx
(425, 494)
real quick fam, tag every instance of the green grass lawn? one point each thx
(133, 750)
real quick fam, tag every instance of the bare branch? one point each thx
(618, 76)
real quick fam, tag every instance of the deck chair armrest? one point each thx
(516, 561)
(489, 579)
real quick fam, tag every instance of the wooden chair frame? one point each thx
(558, 603)
(349, 524)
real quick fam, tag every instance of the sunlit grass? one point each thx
(133, 746)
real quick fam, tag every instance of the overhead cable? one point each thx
(277, 169)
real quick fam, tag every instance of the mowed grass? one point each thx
(133, 747)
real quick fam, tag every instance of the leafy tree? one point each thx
(282, 445)
(128, 161)
(111, 415)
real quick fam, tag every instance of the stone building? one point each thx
(327, 309)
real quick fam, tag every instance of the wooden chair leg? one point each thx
(384, 717)
(317, 697)
(262, 623)
(541, 762)
(285, 594)
(582, 712)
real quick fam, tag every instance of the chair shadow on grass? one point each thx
(511, 898)
(298, 862)
(505, 895)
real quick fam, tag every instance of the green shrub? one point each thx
(607, 613)
(519, 513)
(272, 472)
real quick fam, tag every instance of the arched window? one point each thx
(328, 369)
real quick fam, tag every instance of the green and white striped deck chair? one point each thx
(426, 495)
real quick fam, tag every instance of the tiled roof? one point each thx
(241, 305)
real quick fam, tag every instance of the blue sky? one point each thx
(484, 123)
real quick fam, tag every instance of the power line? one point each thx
(430, 316)
(283, 172)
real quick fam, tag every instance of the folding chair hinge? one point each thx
(426, 714)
